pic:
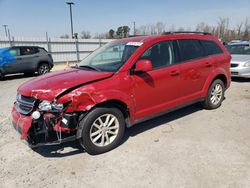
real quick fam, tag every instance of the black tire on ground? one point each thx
(1, 75)
(91, 124)
(43, 68)
(215, 95)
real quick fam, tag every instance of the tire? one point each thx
(96, 123)
(1, 75)
(43, 68)
(215, 95)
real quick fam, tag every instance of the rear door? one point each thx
(28, 58)
(195, 68)
(158, 89)
(11, 60)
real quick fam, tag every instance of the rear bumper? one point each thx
(21, 123)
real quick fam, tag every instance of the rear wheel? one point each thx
(102, 130)
(215, 95)
(43, 68)
(1, 75)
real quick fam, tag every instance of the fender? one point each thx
(87, 100)
(216, 72)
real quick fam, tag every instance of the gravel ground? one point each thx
(190, 147)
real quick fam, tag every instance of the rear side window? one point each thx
(42, 50)
(190, 49)
(161, 54)
(211, 47)
(28, 50)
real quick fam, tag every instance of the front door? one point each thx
(157, 90)
(12, 61)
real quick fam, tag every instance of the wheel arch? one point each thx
(43, 62)
(109, 103)
(117, 104)
(218, 74)
(221, 77)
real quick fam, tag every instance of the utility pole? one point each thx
(71, 20)
(9, 38)
(5, 28)
(134, 29)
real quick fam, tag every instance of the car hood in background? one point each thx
(48, 86)
(240, 58)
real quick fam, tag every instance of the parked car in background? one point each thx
(240, 63)
(24, 59)
(122, 83)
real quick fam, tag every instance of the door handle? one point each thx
(174, 73)
(208, 64)
(19, 58)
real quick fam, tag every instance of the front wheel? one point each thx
(215, 95)
(102, 130)
(43, 68)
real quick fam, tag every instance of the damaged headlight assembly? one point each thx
(48, 106)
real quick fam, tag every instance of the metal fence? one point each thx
(62, 50)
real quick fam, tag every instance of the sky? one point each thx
(36, 17)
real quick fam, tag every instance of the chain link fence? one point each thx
(62, 50)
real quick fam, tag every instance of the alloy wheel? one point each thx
(44, 69)
(104, 130)
(216, 94)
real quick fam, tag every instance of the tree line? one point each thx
(222, 29)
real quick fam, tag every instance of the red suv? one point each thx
(124, 82)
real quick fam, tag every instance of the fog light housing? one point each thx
(36, 115)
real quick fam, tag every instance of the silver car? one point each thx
(240, 63)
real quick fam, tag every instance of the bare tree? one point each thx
(222, 27)
(142, 30)
(239, 28)
(246, 33)
(85, 35)
(160, 27)
(65, 36)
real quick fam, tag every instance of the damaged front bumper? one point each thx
(49, 129)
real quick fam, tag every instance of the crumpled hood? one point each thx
(240, 58)
(48, 86)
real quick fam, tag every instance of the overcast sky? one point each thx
(35, 17)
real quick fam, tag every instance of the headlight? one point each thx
(48, 106)
(45, 106)
(247, 64)
(58, 107)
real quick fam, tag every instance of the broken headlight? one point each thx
(48, 106)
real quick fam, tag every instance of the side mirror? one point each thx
(143, 65)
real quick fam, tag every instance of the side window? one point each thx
(14, 52)
(211, 47)
(28, 51)
(190, 49)
(161, 54)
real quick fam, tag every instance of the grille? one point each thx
(234, 65)
(234, 73)
(24, 105)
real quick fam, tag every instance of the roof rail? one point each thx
(137, 35)
(186, 32)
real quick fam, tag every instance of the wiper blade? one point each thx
(88, 67)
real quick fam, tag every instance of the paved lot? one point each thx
(191, 147)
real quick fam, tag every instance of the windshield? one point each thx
(109, 58)
(239, 49)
